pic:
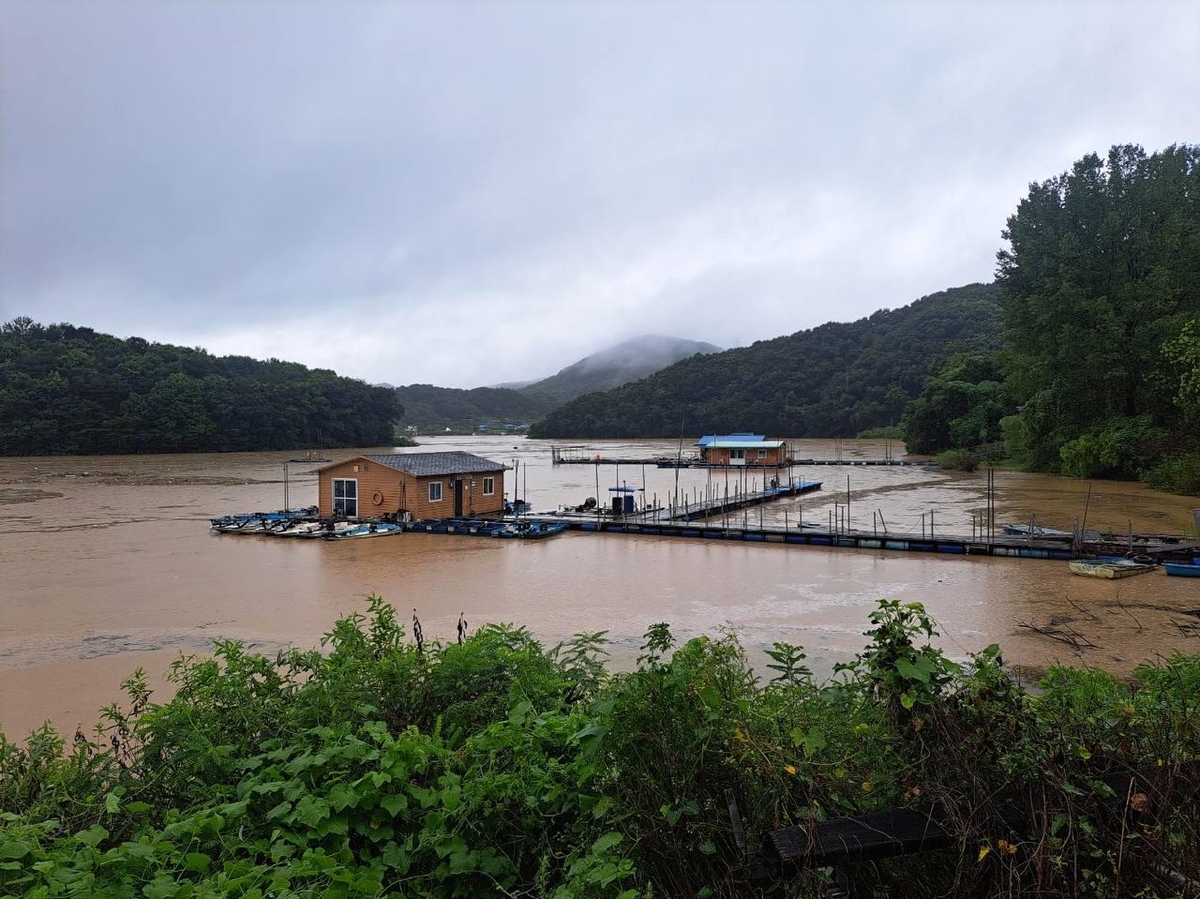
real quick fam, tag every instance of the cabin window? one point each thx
(489, 486)
(435, 491)
(762, 454)
(737, 454)
(345, 497)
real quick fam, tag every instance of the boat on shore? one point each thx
(1182, 569)
(1109, 569)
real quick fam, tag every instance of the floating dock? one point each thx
(559, 456)
(749, 532)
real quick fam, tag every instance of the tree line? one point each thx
(1099, 371)
(67, 389)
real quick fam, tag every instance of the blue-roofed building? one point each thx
(742, 449)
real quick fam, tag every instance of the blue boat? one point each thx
(257, 522)
(1182, 569)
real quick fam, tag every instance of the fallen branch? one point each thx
(1069, 636)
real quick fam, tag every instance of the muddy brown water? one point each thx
(107, 563)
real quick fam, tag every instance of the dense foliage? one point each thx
(65, 389)
(498, 768)
(433, 408)
(427, 407)
(961, 406)
(1101, 287)
(834, 380)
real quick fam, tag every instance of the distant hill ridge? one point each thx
(833, 380)
(427, 405)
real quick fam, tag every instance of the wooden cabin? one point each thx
(742, 449)
(411, 486)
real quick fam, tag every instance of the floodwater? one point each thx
(107, 563)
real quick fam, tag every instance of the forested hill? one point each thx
(627, 361)
(65, 389)
(427, 406)
(833, 380)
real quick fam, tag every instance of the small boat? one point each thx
(1037, 532)
(300, 529)
(366, 529)
(1182, 569)
(256, 522)
(483, 527)
(1109, 569)
(433, 526)
(531, 530)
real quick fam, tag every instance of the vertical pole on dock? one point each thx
(847, 503)
(597, 491)
(922, 525)
(992, 508)
(931, 524)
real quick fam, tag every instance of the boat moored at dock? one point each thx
(1109, 569)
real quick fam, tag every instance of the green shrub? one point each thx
(497, 768)
(1176, 474)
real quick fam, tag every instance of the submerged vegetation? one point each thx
(497, 767)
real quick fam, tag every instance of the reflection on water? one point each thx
(108, 564)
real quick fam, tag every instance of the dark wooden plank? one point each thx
(860, 838)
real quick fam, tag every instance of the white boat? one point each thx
(303, 529)
(1108, 569)
(365, 529)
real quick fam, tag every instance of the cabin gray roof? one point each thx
(424, 465)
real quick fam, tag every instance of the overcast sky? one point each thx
(465, 193)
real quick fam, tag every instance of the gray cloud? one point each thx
(466, 193)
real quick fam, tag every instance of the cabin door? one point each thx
(458, 492)
(737, 457)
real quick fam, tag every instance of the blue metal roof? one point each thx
(744, 436)
(724, 443)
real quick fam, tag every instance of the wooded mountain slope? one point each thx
(628, 361)
(833, 380)
(65, 389)
(429, 406)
